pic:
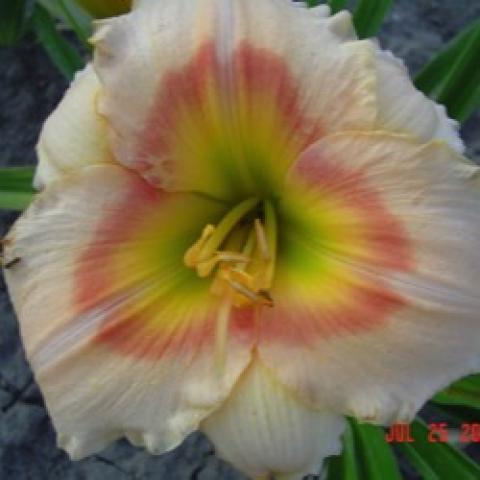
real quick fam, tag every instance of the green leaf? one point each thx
(16, 190)
(456, 414)
(452, 77)
(63, 54)
(344, 466)
(13, 21)
(15, 200)
(337, 5)
(433, 75)
(463, 392)
(369, 15)
(17, 179)
(73, 16)
(418, 462)
(375, 456)
(437, 458)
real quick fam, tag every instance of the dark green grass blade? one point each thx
(464, 392)
(434, 74)
(344, 466)
(17, 179)
(369, 15)
(75, 23)
(452, 77)
(461, 92)
(313, 3)
(375, 457)
(62, 53)
(13, 21)
(418, 462)
(337, 5)
(15, 200)
(456, 415)
(71, 15)
(441, 459)
(16, 191)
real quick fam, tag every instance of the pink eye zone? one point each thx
(338, 246)
(226, 122)
(333, 229)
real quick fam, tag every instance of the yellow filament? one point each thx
(262, 239)
(221, 333)
(224, 228)
(245, 276)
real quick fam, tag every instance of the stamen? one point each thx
(244, 275)
(204, 269)
(240, 281)
(224, 228)
(190, 257)
(262, 239)
(271, 228)
(221, 333)
(247, 250)
(267, 297)
(242, 289)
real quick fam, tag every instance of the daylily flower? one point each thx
(252, 224)
(105, 8)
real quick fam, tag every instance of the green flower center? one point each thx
(240, 252)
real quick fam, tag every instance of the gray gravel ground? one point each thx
(29, 89)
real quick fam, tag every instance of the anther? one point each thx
(261, 297)
(266, 296)
(243, 275)
(204, 269)
(191, 255)
(225, 227)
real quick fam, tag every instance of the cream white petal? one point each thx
(74, 135)
(119, 339)
(322, 11)
(139, 54)
(264, 429)
(412, 324)
(404, 109)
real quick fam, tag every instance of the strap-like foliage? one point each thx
(16, 191)
(437, 459)
(13, 20)
(464, 392)
(69, 13)
(366, 455)
(63, 54)
(452, 77)
(345, 466)
(369, 15)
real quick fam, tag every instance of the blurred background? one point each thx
(34, 69)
